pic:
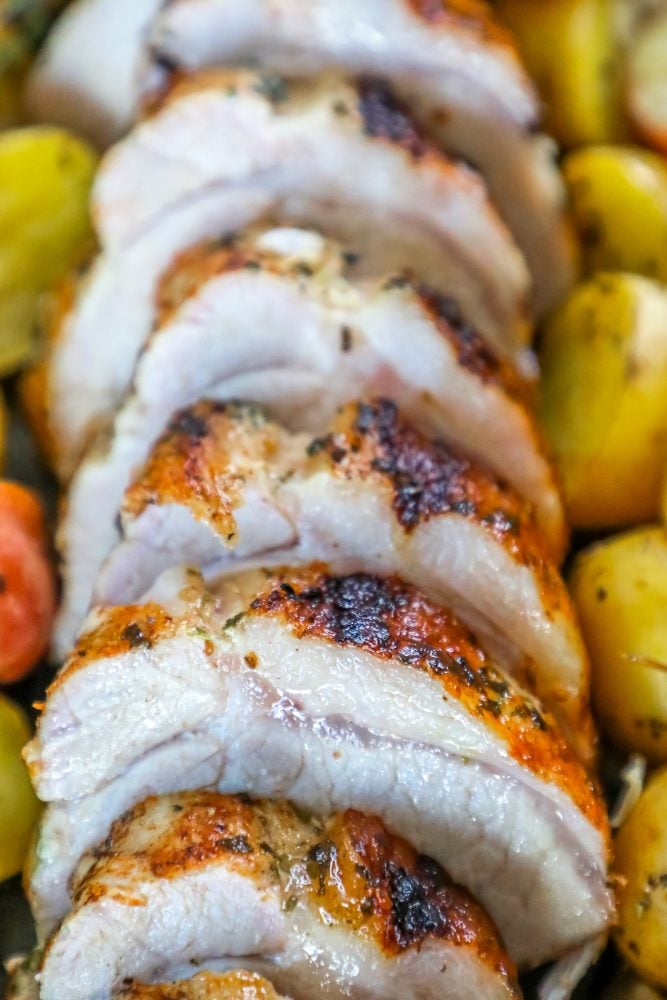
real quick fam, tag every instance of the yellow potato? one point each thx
(19, 808)
(646, 72)
(619, 588)
(641, 863)
(626, 986)
(45, 179)
(619, 201)
(603, 399)
(570, 49)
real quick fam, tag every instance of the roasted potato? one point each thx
(19, 808)
(647, 80)
(570, 48)
(619, 588)
(641, 863)
(619, 201)
(626, 986)
(45, 179)
(603, 399)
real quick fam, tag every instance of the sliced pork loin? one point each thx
(330, 909)
(333, 692)
(450, 61)
(270, 317)
(226, 488)
(363, 176)
(263, 138)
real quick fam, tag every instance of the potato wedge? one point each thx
(45, 179)
(603, 399)
(619, 588)
(619, 201)
(647, 81)
(641, 863)
(570, 49)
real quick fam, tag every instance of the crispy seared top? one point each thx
(347, 870)
(194, 267)
(208, 450)
(237, 985)
(384, 116)
(371, 441)
(394, 621)
(203, 460)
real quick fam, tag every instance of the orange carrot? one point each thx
(27, 587)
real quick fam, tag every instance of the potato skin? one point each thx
(641, 864)
(603, 400)
(619, 588)
(45, 179)
(570, 48)
(619, 203)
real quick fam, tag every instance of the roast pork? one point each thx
(333, 909)
(334, 692)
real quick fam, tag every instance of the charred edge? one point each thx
(418, 905)
(189, 424)
(471, 351)
(422, 900)
(385, 117)
(134, 636)
(427, 479)
(392, 620)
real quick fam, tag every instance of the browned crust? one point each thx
(197, 265)
(384, 116)
(394, 621)
(237, 985)
(473, 16)
(471, 351)
(201, 462)
(427, 479)
(348, 870)
(406, 897)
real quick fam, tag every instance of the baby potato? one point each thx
(641, 863)
(570, 49)
(619, 201)
(19, 808)
(603, 400)
(626, 986)
(619, 588)
(45, 179)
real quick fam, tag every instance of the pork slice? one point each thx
(451, 63)
(336, 908)
(365, 177)
(333, 692)
(270, 317)
(371, 494)
(332, 140)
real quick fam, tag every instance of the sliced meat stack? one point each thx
(225, 149)
(326, 720)
(271, 318)
(327, 909)
(448, 59)
(330, 691)
(227, 489)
